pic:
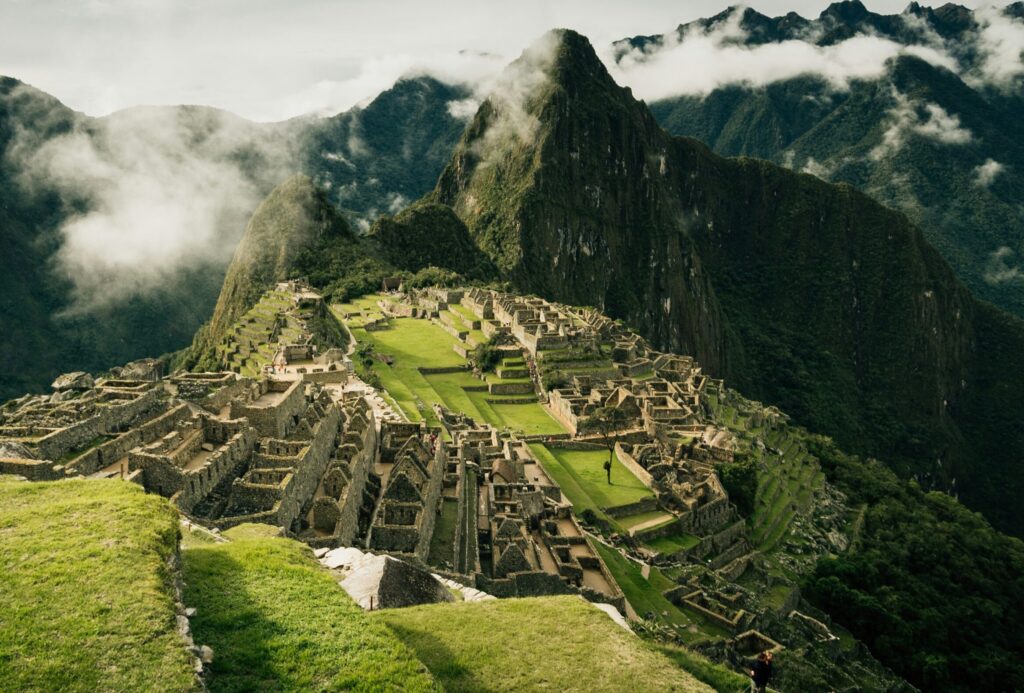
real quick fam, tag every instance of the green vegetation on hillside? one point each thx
(930, 587)
(428, 234)
(86, 589)
(841, 136)
(556, 643)
(278, 621)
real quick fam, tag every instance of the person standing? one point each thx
(762, 671)
(608, 470)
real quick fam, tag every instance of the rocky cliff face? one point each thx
(942, 143)
(567, 184)
(806, 294)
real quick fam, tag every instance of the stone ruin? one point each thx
(412, 467)
(515, 535)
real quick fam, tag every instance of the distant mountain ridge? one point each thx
(944, 147)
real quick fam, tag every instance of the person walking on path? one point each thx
(762, 671)
(608, 470)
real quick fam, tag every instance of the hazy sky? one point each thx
(272, 59)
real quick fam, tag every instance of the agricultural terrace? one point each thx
(406, 345)
(644, 595)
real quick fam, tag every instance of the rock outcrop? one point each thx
(385, 582)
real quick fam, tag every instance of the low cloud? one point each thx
(1000, 42)
(987, 172)
(463, 109)
(1003, 268)
(699, 62)
(816, 168)
(907, 118)
(147, 193)
(396, 202)
(509, 93)
(376, 74)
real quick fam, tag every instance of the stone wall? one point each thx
(33, 470)
(709, 517)
(432, 499)
(510, 388)
(633, 466)
(284, 501)
(644, 505)
(186, 488)
(212, 391)
(110, 452)
(276, 420)
(339, 375)
(108, 418)
(357, 458)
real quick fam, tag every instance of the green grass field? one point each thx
(550, 643)
(672, 544)
(645, 596)
(86, 599)
(581, 475)
(278, 622)
(415, 344)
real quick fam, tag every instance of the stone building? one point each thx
(416, 459)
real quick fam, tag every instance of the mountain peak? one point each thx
(846, 10)
(293, 221)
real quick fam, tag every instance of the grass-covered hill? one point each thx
(89, 603)
(883, 134)
(87, 597)
(278, 621)
(801, 293)
(557, 643)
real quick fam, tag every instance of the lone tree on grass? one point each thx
(609, 421)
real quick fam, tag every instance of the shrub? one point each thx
(486, 356)
(740, 481)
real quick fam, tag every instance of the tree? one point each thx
(609, 421)
(487, 356)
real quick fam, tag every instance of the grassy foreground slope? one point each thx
(277, 621)
(85, 590)
(551, 643)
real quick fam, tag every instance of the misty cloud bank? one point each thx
(700, 61)
(929, 120)
(148, 193)
(510, 92)
(154, 191)
(1003, 267)
(986, 173)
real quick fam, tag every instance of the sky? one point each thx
(274, 59)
